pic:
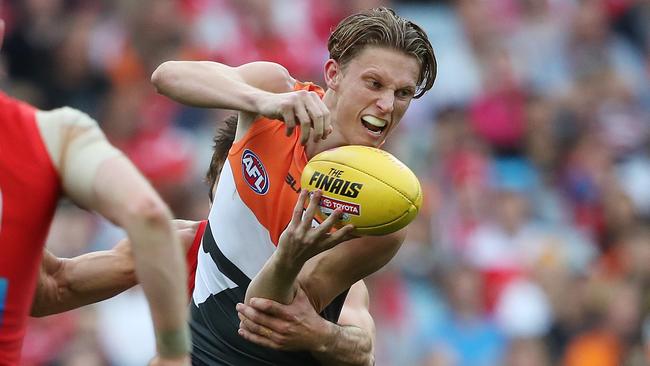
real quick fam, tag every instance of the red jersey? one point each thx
(190, 256)
(29, 189)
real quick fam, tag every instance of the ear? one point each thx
(332, 74)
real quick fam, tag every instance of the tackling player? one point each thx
(49, 154)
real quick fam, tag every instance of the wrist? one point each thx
(256, 100)
(288, 263)
(174, 343)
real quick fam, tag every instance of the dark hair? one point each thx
(382, 27)
(224, 136)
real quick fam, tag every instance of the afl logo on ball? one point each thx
(254, 172)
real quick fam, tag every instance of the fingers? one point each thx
(343, 234)
(254, 331)
(296, 217)
(313, 104)
(258, 339)
(254, 327)
(267, 306)
(305, 121)
(321, 231)
(290, 121)
(312, 115)
(329, 223)
(314, 201)
(327, 122)
(262, 312)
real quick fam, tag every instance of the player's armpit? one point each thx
(328, 274)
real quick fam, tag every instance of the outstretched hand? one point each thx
(299, 241)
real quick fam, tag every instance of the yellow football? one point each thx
(377, 193)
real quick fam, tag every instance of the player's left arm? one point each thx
(297, 326)
(328, 274)
(68, 283)
(353, 340)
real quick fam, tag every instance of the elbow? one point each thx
(164, 77)
(148, 210)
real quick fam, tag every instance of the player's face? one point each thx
(373, 92)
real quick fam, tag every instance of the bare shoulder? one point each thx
(269, 76)
(65, 116)
(59, 126)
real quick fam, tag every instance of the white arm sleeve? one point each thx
(77, 147)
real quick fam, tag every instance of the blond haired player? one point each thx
(47, 154)
(378, 63)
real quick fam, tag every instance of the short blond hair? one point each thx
(382, 27)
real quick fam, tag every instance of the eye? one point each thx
(404, 93)
(373, 84)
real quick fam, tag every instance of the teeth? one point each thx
(377, 122)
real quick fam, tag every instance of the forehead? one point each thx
(392, 65)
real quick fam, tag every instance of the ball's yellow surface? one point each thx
(377, 193)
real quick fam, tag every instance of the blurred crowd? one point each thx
(533, 246)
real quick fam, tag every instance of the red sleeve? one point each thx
(192, 254)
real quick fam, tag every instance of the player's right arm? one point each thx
(97, 176)
(68, 283)
(254, 89)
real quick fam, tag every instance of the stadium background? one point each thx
(534, 245)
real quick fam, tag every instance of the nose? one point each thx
(386, 102)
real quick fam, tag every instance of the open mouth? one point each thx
(374, 124)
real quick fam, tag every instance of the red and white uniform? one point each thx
(190, 256)
(29, 189)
